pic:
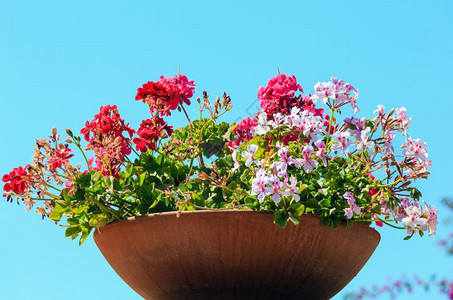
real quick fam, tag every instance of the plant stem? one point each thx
(387, 223)
(83, 152)
(187, 116)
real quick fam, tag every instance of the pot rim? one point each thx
(222, 211)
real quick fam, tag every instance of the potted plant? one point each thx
(188, 212)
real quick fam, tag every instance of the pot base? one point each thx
(234, 254)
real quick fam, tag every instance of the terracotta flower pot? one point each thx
(234, 254)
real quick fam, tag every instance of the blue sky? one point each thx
(60, 61)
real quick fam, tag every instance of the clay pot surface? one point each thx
(234, 254)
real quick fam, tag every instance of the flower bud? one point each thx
(69, 132)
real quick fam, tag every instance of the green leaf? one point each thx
(281, 218)
(294, 218)
(72, 231)
(99, 220)
(142, 178)
(58, 212)
(146, 192)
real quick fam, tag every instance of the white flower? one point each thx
(262, 127)
(249, 155)
(323, 91)
(414, 219)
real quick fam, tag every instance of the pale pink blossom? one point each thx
(342, 142)
(353, 208)
(274, 191)
(278, 120)
(404, 119)
(292, 189)
(414, 220)
(307, 162)
(249, 155)
(259, 185)
(432, 219)
(323, 91)
(285, 160)
(321, 151)
(235, 160)
(364, 143)
(389, 135)
(262, 127)
(416, 150)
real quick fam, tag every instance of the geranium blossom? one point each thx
(60, 158)
(321, 151)
(262, 127)
(405, 121)
(166, 94)
(278, 95)
(259, 185)
(16, 181)
(275, 186)
(416, 150)
(414, 219)
(150, 131)
(342, 142)
(285, 160)
(249, 155)
(243, 131)
(292, 189)
(431, 213)
(353, 207)
(105, 136)
(306, 161)
(323, 91)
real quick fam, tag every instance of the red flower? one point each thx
(244, 131)
(61, 157)
(16, 181)
(166, 94)
(373, 191)
(149, 133)
(105, 136)
(107, 124)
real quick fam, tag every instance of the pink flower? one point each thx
(353, 208)
(292, 189)
(278, 95)
(307, 162)
(389, 136)
(262, 127)
(432, 219)
(321, 151)
(274, 190)
(342, 142)
(416, 150)
(285, 160)
(243, 131)
(405, 121)
(259, 185)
